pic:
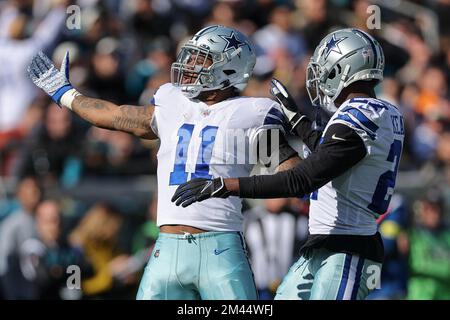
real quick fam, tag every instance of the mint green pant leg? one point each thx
(340, 276)
(171, 270)
(225, 272)
(210, 265)
(325, 275)
(297, 283)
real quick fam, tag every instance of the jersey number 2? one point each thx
(208, 137)
(386, 183)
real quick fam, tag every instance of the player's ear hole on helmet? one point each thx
(332, 74)
(229, 72)
(336, 71)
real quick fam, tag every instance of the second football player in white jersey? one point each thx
(200, 252)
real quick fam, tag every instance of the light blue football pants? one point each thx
(326, 275)
(207, 266)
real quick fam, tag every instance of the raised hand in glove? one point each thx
(199, 189)
(290, 109)
(46, 76)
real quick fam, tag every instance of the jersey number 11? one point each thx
(208, 137)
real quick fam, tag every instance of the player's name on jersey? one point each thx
(398, 124)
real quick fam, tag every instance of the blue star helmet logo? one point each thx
(232, 42)
(332, 45)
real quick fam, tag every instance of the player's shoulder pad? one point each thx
(258, 112)
(165, 94)
(362, 114)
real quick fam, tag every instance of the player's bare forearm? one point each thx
(104, 114)
(132, 119)
(232, 185)
(289, 163)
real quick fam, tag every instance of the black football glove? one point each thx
(290, 109)
(199, 189)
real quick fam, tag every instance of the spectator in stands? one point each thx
(433, 91)
(314, 20)
(114, 153)
(259, 84)
(16, 50)
(418, 60)
(127, 269)
(222, 13)
(157, 62)
(148, 23)
(12, 142)
(97, 235)
(278, 39)
(106, 78)
(14, 230)
(52, 152)
(46, 258)
(429, 251)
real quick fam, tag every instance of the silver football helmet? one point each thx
(216, 57)
(341, 58)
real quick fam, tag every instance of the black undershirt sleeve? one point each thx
(340, 150)
(308, 135)
(284, 152)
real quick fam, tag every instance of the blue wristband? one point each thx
(59, 93)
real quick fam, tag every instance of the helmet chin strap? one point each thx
(328, 105)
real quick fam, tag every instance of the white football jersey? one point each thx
(351, 203)
(201, 141)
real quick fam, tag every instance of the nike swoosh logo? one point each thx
(337, 138)
(206, 186)
(217, 252)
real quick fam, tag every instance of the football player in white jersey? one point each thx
(200, 251)
(350, 172)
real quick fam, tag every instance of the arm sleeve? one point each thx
(340, 150)
(309, 136)
(285, 151)
(279, 155)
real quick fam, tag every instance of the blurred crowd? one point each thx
(122, 51)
